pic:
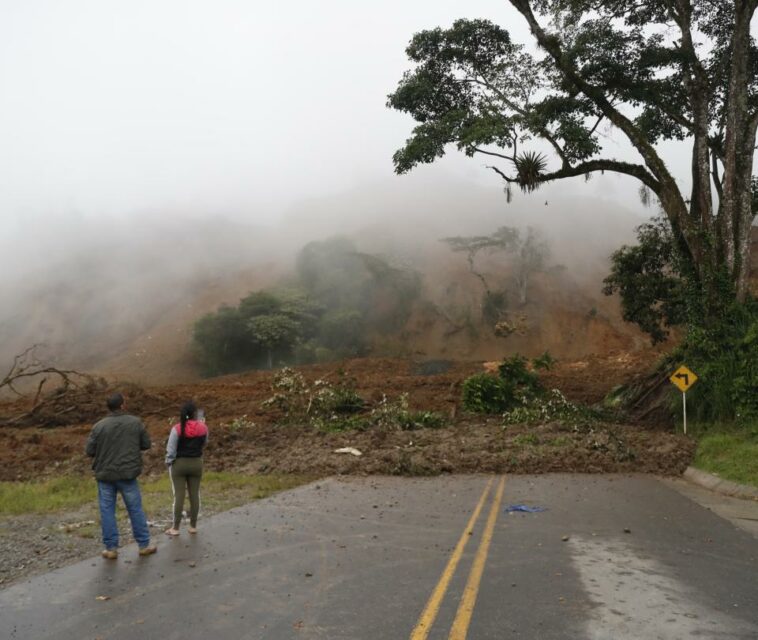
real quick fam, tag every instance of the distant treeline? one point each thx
(338, 299)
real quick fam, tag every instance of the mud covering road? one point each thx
(252, 437)
(392, 558)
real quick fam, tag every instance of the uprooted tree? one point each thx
(651, 70)
(29, 371)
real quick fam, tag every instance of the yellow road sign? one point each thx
(683, 378)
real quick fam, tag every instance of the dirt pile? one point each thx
(467, 447)
(249, 436)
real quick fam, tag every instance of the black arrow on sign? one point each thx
(685, 376)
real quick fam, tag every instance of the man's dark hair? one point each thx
(115, 401)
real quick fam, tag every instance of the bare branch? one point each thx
(492, 153)
(501, 174)
(597, 124)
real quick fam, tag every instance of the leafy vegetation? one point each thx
(648, 278)
(516, 382)
(396, 414)
(336, 406)
(552, 407)
(341, 298)
(725, 357)
(484, 393)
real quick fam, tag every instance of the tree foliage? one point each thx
(651, 70)
(341, 298)
(647, 278)
(264, 326)
(349, 281)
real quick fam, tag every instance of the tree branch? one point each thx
(501, 174)
(597, 124)
(666, 185)
(523, 112)
(492, 153)
(614, 166)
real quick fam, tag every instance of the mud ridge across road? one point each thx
(249, 436)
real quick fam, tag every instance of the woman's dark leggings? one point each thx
(186, 472)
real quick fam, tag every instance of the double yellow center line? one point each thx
(466, 607)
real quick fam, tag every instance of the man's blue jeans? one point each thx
(107, 493)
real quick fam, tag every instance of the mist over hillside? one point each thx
(121, 296)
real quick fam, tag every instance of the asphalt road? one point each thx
(612, 557)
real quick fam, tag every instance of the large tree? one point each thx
(652, 70)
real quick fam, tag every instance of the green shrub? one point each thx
(483, 393)
(413, 420)
(516, 384)
(337, 406)
(515, 371)
(554, 407)
(395, 414)
(544, 361)
(725, 358)
(338, 423)
(335, 399)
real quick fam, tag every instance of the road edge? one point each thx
(719, 485)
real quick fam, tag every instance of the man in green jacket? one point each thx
(116, 443)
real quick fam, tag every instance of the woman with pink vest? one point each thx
(184, 457)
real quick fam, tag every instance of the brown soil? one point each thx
(247, 436)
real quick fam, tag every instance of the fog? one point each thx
(151, 151)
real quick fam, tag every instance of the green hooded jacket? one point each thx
(116, 443)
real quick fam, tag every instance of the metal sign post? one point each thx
(683, 379)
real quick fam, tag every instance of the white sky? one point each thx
(222, 106)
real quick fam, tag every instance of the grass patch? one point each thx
(220, 490)
(56, 494)
(561, 441)
(526, 439)
(731, 455)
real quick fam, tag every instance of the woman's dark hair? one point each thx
(188, 412)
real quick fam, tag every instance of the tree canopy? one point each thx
(340, 298)
(651, 70)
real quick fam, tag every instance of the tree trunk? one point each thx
(735, 213)
(523, 282)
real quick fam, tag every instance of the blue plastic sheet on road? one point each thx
(522, 507)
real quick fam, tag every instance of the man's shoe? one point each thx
(109, 554)
(149, 549)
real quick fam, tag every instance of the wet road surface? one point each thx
(611, 557)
